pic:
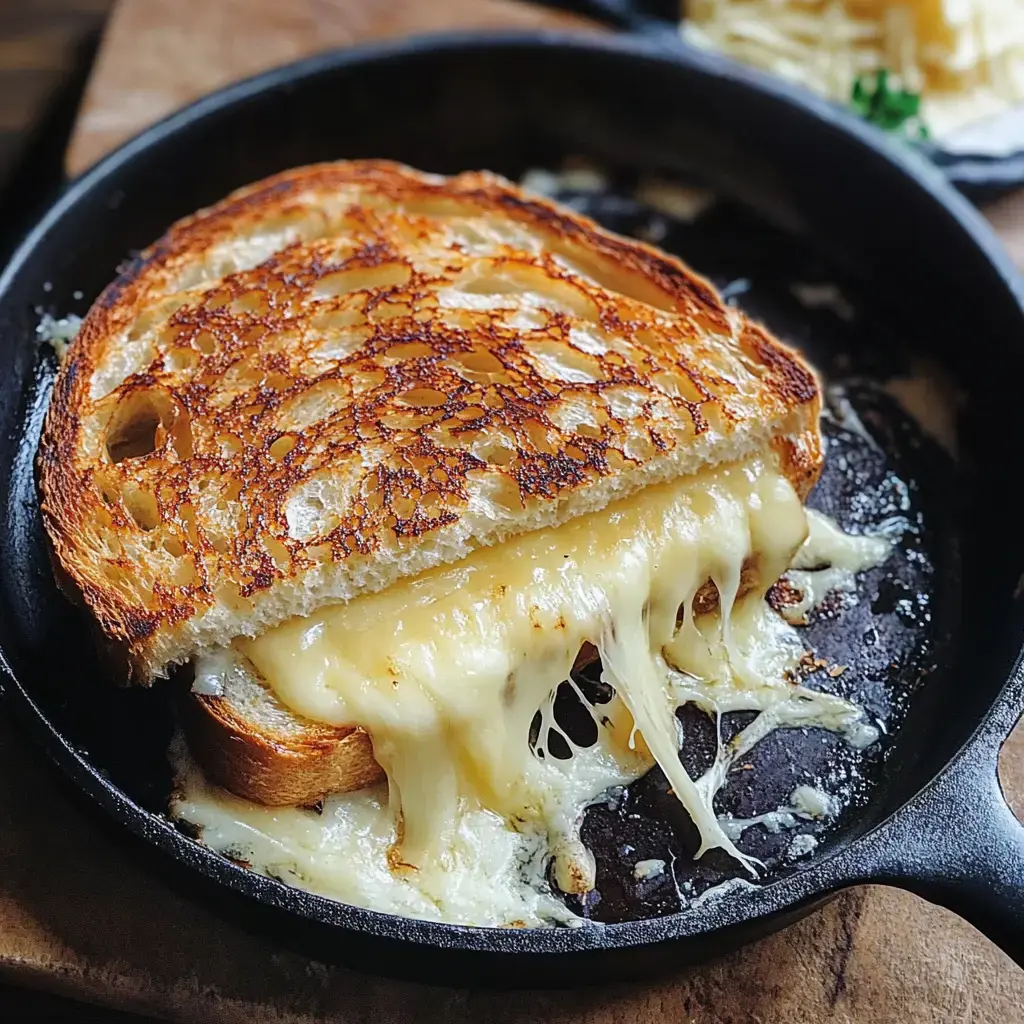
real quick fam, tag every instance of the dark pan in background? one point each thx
(935, 820)
(980, 176)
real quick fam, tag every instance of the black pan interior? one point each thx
(932, 638)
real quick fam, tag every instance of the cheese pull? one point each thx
(446, 671)
(452, 672)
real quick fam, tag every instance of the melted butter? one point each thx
(447, 670)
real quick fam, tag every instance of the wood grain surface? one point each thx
(78, 915)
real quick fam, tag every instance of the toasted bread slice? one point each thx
(353, 372)
(246, 740)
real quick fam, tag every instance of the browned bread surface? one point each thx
(352, 372)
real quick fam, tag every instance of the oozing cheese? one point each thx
(446, 672)
(828, 562)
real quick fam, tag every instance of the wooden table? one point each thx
(76, 913)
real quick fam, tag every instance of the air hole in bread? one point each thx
(514, 284)
(110, 490)
(134, 428)
(278, 552)
(455, 319)
(205, 342)
(133, 438)
(180, 359)
(526, 319)
(319, 553)
(141, 505)
(334, 319)
(174, 547)
(705, 601)
(479, 361)
(564, 363)
(181, 435)
(493, 493)
(384, 311)
(341, 341)
(228, 595)
(478, 367)
(495, 450)
(105, 521)
(254, 302)
(403, 505)
(184, 573)
(311, 406)
(624, 402)
(187, 516)
(401, 421)
(277, 381)
(281, 447)
(159, 313)
(639, 448)
(309, 510)
(638, 287)
(678, 385)
(423, 398)
(228, 445)
(357, 279)
(430, 504)
(409, 350)
(539, 437)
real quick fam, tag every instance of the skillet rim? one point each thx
(743, 903)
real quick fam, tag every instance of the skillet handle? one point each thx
(959, 845)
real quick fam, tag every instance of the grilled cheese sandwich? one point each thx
(385, 452)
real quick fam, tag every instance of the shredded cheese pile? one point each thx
(964, 58)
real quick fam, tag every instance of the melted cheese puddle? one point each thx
(828, 563)
(447, 670)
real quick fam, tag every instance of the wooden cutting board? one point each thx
(77, 914)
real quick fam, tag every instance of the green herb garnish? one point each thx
(890, 108)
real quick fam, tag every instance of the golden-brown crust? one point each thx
(272, 768)
(358, 323)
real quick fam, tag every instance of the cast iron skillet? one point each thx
(931, 817)
(978, 175)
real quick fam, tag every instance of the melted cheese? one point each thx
(446, 672)
(828, 563)
(495, 874)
